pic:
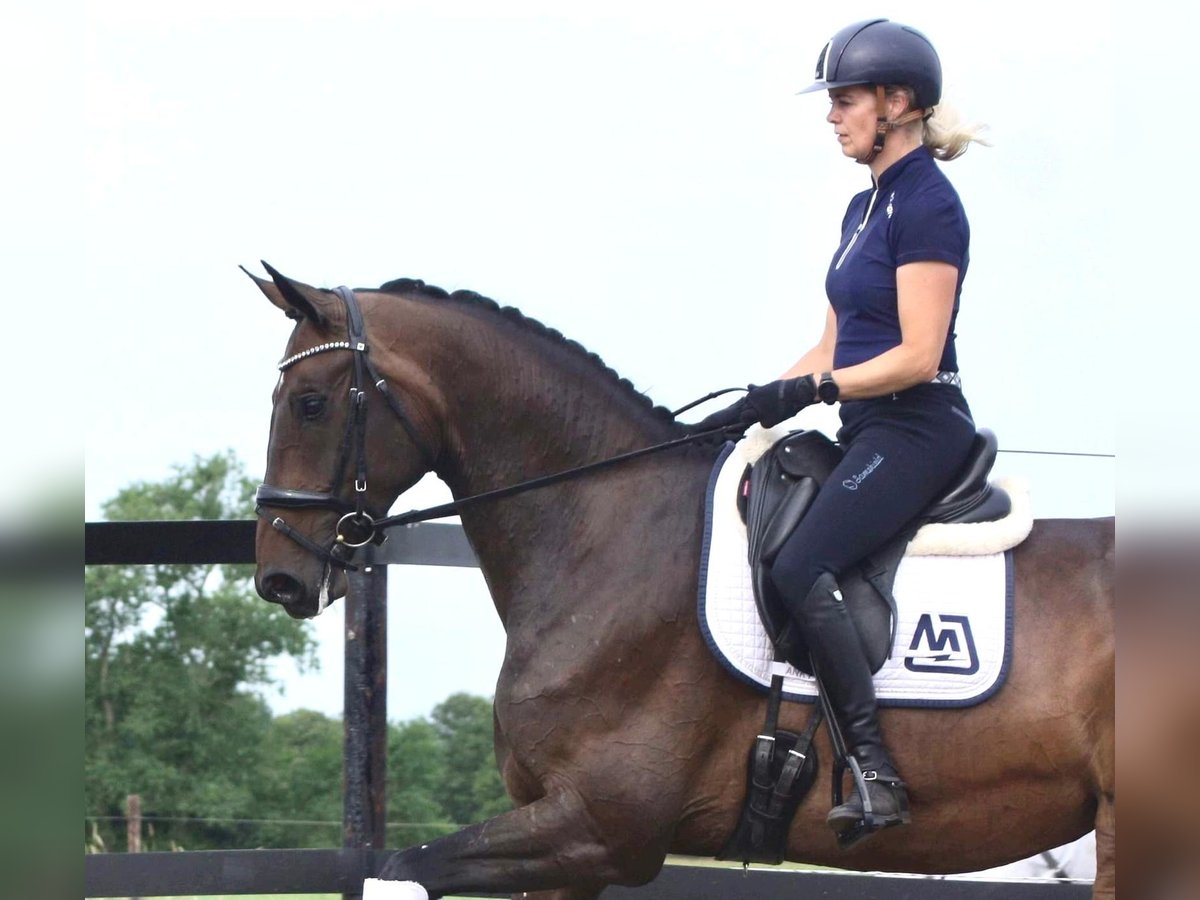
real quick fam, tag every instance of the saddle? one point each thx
(774, 495)
(778, 490)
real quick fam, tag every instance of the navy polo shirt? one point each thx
(912, 215)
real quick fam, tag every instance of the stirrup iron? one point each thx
(871, 820)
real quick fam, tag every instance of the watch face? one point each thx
(827, 390)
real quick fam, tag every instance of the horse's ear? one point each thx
(296, 299)
(271, 293)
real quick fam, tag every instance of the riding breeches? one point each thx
(900, 452)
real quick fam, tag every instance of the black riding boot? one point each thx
(841, 665)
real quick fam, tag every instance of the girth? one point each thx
(778, 490)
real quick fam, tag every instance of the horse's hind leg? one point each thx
(552, 846)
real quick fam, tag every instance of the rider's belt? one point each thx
(950, 378)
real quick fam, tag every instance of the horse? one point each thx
(618, 736)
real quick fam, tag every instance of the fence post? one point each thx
(133, 823)
(364, 716)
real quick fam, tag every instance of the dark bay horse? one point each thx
(619, 737)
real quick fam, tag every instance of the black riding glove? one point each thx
(779, 400)
(734, 419)
(768, 404)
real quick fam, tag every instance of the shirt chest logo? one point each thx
(890, 209)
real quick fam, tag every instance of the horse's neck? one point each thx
(519, 407)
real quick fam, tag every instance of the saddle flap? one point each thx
(787, 515)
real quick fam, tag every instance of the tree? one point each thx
(471, 789)
(416, 769)
(172, 655)
(302, 782)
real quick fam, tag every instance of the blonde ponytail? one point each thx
(946, 136)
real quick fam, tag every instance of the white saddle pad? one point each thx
(953, 634)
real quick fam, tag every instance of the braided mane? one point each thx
(533, 326)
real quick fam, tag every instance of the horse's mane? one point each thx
(533, 326)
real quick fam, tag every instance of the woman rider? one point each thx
(887, 353)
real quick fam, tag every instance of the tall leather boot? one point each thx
(841, 665)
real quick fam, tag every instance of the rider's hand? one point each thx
(779, 400)
(734, 419)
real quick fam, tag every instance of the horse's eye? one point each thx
(311, 406)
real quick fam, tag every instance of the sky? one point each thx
(640, 176)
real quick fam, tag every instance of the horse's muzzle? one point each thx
(297, 599)
(281, 588)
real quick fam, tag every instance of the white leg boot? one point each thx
(378, 889)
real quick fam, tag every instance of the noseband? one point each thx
(356, 528)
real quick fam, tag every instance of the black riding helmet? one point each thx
(879, 51)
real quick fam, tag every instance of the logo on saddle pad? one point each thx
(942, 644)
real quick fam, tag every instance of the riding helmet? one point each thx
(879, 51)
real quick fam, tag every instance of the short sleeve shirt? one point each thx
(912, 215)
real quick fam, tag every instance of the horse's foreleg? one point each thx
(550, 844)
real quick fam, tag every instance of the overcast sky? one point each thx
(639, 175)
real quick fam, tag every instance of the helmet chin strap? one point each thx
(883, 125)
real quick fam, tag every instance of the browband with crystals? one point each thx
(320, 348)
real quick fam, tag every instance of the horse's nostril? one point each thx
(281, 588)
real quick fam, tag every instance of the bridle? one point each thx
(356, 528)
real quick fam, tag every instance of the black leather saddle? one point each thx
(778, 490)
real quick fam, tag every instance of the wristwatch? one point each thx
(827, 390)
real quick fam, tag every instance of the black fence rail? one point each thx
(365, 729)
(232, 541)
(332, 871)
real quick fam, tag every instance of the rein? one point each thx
(447, 509)
(356, 527)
